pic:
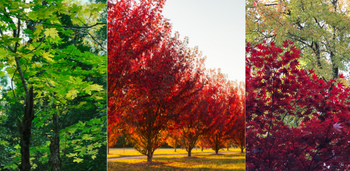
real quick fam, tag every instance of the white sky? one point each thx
(216, 27)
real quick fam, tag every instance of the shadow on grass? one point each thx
(199, 162)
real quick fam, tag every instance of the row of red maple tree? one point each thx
(158, 87)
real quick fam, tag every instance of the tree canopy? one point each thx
(320, 29)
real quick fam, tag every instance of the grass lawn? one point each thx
(119, 152)
(225, 161)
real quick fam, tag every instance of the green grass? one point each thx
(225, 161)
(119, 152)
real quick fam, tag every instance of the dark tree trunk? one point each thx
(241, 149)
(189, 152)
(335, 68)
(316, 49)
(216, 151)
(25, 131)
(175, 145)
(202, 148)
(55, 160)
(149, 156)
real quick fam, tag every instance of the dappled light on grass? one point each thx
(226, 161)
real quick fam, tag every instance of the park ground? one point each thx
(128, 159)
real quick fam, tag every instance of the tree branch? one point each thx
(99, 43)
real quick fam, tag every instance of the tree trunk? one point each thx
(149, 156)
(175, 145)
(227, 148)
(189, 152)
(335, 68)
(25, 131)
(241, 150)
(202, 148)
(316, 48)
(55, 160)
(216, 151)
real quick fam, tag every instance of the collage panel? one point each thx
(169, 106)
(297, 76)
(53, 82)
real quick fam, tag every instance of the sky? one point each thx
(216, 27)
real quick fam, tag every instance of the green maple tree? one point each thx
(50, 51)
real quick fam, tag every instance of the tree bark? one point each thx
(216, 151)
(55, 160)
(335, 68)
(25, 131)
(202, 148)
(149, 156)
(189, 152)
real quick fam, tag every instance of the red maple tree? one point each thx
(195, 120)
(133, 29)
(225, 105)
(295, 120)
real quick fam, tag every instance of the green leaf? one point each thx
(17, 146)
(47, 56)
(72, 154)
(77, 160)
(51, 32)
(3, 142)
(72, 94)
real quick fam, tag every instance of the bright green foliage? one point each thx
(54, 42)
(319, 28)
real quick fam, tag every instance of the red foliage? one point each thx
(112, 137)
(133, 29)
(150, 73)
(238, 136)
(225, 105)
(276, 90)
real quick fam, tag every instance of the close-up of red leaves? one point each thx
(277, 90)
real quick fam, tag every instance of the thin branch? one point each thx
(13, 90)
(77, 27)
(99, 43)
(22, 76)
(18, 32)
(266, 5)
(37, 46)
